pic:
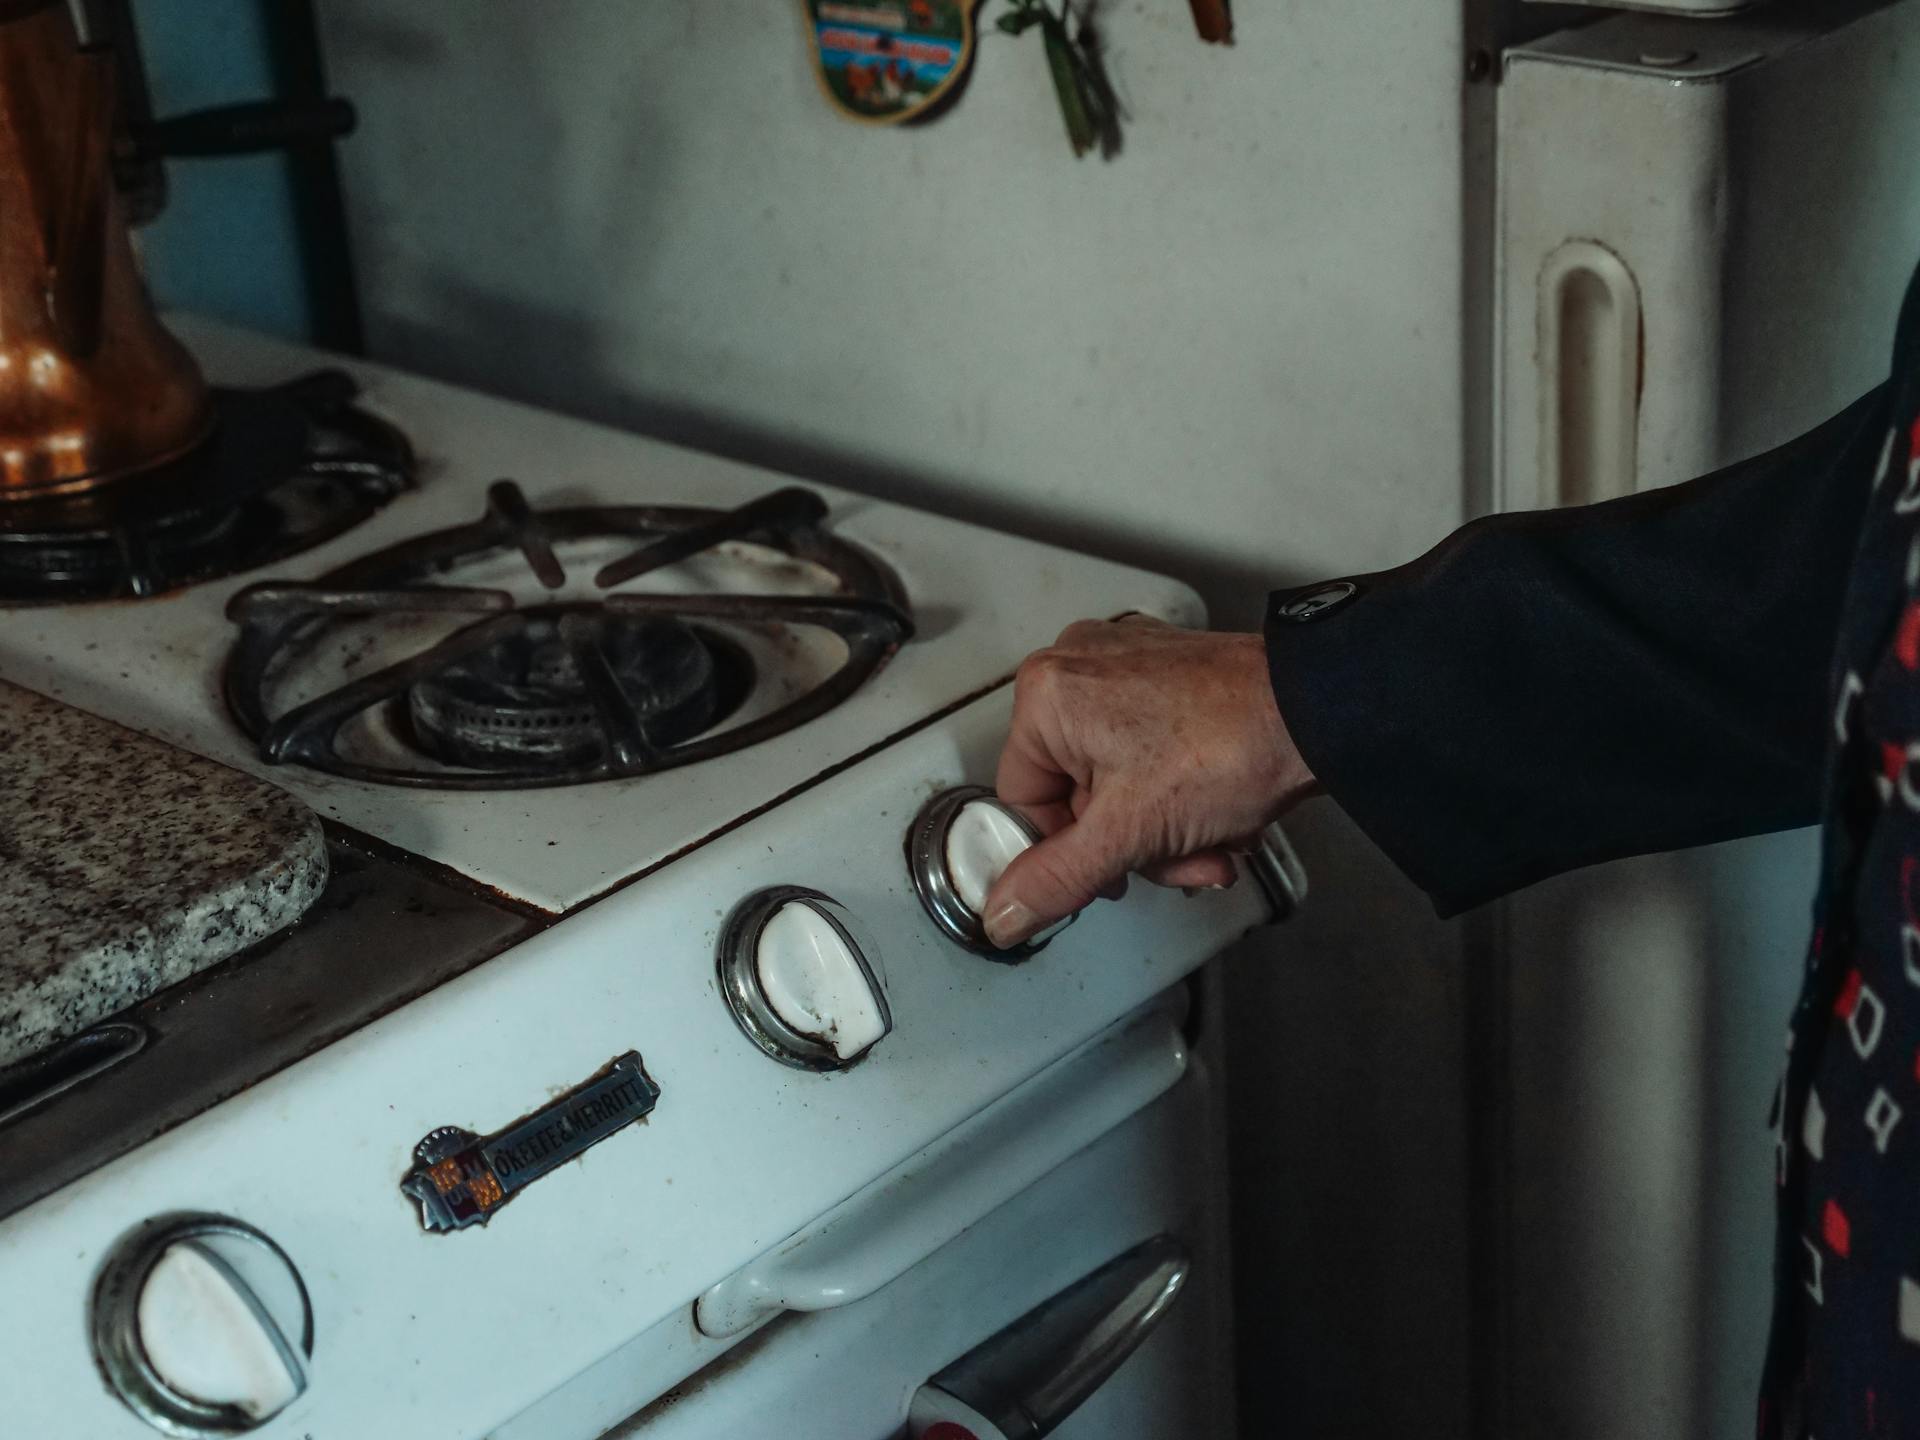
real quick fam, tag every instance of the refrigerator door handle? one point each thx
(1590, 374)
(885, 1229)
(1024, 1381)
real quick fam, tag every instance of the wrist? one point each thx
(1289, 778)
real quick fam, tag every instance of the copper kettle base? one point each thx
(281, 470)
(30, 475)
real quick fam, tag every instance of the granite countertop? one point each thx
(127, 865)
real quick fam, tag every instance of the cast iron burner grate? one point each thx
(286, 468)
(567, 692)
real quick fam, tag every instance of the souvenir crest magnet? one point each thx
(888, 61)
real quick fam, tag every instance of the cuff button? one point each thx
(1315, 603)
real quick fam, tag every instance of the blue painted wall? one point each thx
(226, 245)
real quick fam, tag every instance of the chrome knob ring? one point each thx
(746, 997)
(933, 881)
(122, 1354)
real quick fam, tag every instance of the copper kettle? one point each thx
(93, 390)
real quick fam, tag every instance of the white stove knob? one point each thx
(202, 1325)
(798, 973)
(983, 838)
(961, 843)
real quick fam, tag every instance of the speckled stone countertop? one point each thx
(127, 865)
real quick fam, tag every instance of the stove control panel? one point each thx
(960, 844)
(803, 979)
(202, 1326)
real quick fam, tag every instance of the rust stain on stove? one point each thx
(442, 874)
(716, 1370)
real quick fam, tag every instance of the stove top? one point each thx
(288, 467)
(593, 497)
(390, 670)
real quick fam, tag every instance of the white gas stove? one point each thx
(614, 1041)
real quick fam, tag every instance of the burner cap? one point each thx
(522, 703)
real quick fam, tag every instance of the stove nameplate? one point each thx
(461, 1179)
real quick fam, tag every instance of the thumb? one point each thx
(1060, 876)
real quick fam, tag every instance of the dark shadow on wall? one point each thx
(504, 347)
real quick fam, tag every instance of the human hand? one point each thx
(1137, 746)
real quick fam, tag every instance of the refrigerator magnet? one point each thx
(889, 61)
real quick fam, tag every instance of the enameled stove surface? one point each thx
(445, 1336)
(981, 600)
(581, 1292)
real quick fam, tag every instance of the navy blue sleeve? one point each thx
(1549, 690)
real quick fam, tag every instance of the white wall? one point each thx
(1233, 353)
(1235, 346)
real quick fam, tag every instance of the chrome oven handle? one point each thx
(1024, 1381)
(1277, 869)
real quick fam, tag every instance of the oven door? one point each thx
(996, 1310)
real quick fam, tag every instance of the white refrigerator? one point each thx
(1704, 229)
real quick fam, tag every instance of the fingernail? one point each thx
(1009, 923)
(1192, 890)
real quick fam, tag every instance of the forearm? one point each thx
(1549, 690)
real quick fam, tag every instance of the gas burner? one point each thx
(385, 671)
(286, 469)
(525, 701)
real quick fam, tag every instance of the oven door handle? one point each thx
(1022, 1382)
(883, 1230)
